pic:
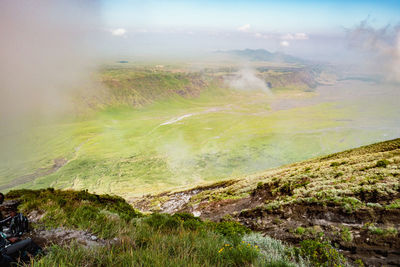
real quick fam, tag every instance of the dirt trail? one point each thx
(209, 110)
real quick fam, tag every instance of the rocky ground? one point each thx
(46, 237)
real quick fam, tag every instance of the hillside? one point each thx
(143, 86)
(352, 198)
(76, 228)
(344, 203)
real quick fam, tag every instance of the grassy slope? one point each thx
(133, 239)
(351, 179)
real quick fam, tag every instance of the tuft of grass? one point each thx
(300, 230)
(372, 229)
(394, 205)
(346, 234)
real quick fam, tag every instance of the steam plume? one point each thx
(246, 80)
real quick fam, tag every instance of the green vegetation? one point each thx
(320, 253)
(160, 128)
(146, 240)
(351, 186)
(346, 234)
(375, 230)
(300, 230)
(382, 163)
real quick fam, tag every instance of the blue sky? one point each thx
(261, 15)
(305, 28)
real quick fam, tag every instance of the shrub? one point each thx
(320, 253)
(338, 174)
(163, 222)
(189, 221)
(231, 229)
(335, 164)
(382, 163)
(260, 185)
(375, 230)
(238, 255)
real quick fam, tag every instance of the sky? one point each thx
(312, 29)
(261, 15)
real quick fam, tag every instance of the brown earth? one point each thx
(351, 232)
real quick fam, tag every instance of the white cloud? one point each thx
(285, 43)
(288, 36)
(282, 37)
(301, 36)
(265, 36)
(296, 36)
(244, 28)
(119, 32)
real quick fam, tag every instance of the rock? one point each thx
(196, 213)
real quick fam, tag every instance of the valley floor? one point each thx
(180, 142)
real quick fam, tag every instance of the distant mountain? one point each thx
(264, 55)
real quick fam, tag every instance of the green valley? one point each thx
(154, 130)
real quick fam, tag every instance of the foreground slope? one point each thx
(352, 197)
(77, 228)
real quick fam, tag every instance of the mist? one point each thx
(48, 55)
(380, 48)
(46, 52)
(246, 80)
